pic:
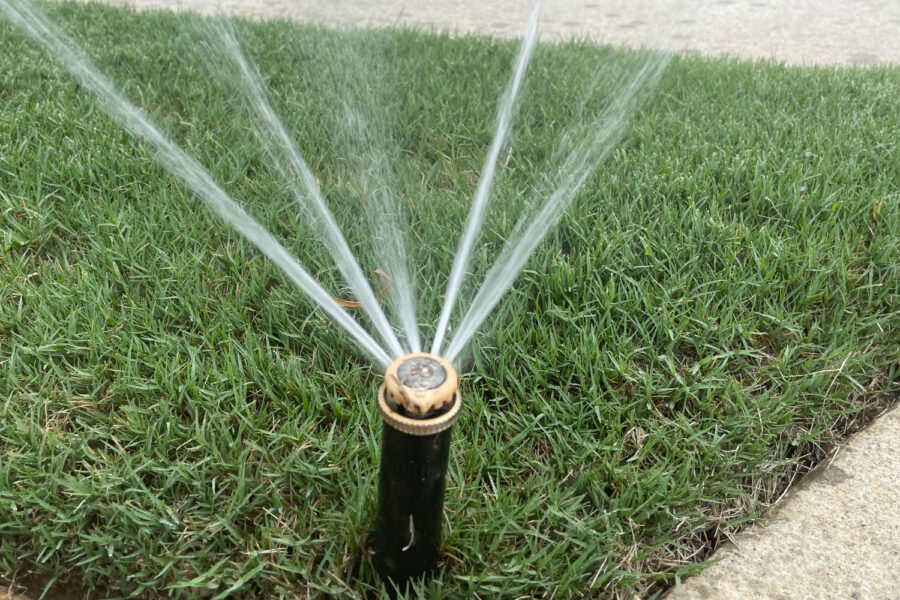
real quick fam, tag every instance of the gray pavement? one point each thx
(836, 535)
(794, 31)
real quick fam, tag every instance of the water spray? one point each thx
(419, 403)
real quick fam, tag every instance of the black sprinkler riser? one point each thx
(410, 503)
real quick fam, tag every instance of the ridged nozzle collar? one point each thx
(419, 395)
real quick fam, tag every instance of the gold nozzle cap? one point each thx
(419, 395)
(420, 383)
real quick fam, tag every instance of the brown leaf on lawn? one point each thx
(347, 303)
(385, 291)
(385, 282)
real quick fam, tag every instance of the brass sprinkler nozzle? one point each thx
(419, 395)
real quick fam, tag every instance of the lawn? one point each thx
(717, 308)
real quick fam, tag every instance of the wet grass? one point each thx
(716, 309)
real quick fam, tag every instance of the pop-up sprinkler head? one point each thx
(419, 395)
(419, 402)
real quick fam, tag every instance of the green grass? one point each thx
(717, 307)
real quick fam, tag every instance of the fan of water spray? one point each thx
(419, 401)
(590, 143)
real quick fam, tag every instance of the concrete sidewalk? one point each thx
(795, 31)
(836, 535)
